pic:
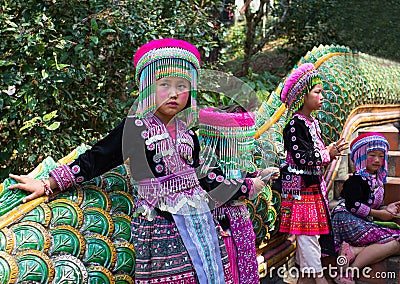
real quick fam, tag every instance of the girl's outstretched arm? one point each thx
(36, 187)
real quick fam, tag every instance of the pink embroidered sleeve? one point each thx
(362, 210)
(325, 157)
(63, 177)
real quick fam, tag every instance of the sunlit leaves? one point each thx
(66, 68)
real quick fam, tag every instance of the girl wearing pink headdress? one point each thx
(174, 234)
(357, 237)
(304, 209)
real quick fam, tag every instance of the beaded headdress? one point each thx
(297, 85)
(231, 136)
(162, 58)
(364, 144)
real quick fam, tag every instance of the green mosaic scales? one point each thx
(82, 235)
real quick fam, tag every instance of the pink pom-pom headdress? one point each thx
(163, 58)
(232, 135)
(297, 85)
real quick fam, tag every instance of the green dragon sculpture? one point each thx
(83, 235)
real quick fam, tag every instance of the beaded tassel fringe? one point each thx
(233, 145)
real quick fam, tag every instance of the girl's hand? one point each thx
(385, 215)
(381, 214)
(269, 173)
(258, 185)
(394, 208)
(29, 184)
(337, 147)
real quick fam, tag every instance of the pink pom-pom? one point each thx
(212, 117)
(294, 77)
(162, 43)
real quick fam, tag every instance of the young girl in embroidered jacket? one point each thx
(304, 209)
(174, 235)
(357, 237)
(227, 140)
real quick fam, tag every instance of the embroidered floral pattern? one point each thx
(76, 169)
(80, 179)
(220, 179)
(145, 134)
(363, 210)
(139, 122)
(212, 175)
(159, 168)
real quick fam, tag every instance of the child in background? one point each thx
(304, 209)
(227, 141)
(357, 237)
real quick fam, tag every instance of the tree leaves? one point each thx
(66, 68)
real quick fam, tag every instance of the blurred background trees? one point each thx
(66, 66)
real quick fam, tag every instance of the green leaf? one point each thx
(45, 74)
(30, 123)
(107, 31)
(53, 126)
(6, 63)
(32, 158)
(50, 115)
(62, 66)
(94, 39)
(32, 103)
(11, 24)
(94, 24)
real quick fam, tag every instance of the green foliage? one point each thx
(235, 39)
(66, 68)
(263, 84)
(372, 27)
(307, 26)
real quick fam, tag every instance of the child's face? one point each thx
(375, 161)
(314, 99)
(172, 94)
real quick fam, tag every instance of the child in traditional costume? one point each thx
(174, 234)
(357, 237)
(227, 141)
(304, 209)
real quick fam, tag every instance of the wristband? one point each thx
(47, 189)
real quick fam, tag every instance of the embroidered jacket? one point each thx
(359, 197)
(131, 139)
(306, 152)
